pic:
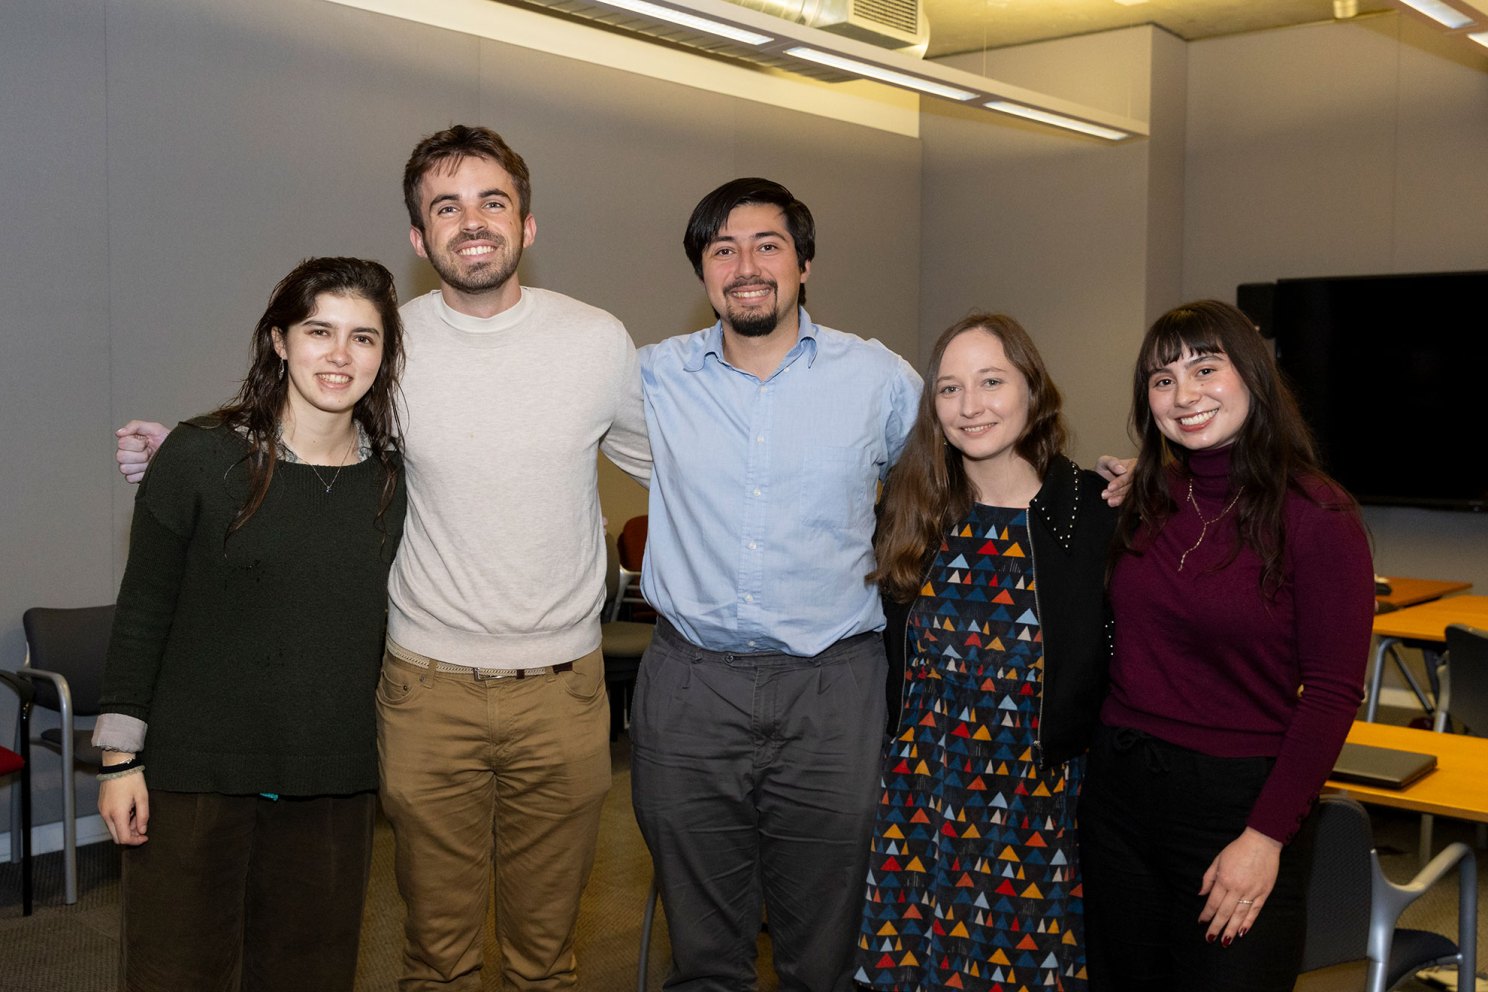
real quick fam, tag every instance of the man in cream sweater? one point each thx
(492, 718)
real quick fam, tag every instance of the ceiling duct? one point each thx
(900, 25)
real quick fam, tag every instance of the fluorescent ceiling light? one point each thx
(685, 19)
(1058, 120)
(1449, 17)
(880, 73)
(1481, 37)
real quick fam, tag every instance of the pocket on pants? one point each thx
(396, 684)
(586, 680)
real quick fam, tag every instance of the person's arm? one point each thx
(137, 444)
(1333, 609)
(904, 407)
(158, 543)
(626, 443)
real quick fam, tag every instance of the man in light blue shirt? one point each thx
(759, 711)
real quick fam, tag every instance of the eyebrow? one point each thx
(989, 368)
(484, 194)
(757, 236)
(317, 322)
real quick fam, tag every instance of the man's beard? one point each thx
(502, 265)
(754, 322)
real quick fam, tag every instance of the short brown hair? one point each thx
(450, 147)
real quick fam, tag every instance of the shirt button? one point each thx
(760, 439)
(752, 545)
(751, 644)
(756, 492)
(748, 597)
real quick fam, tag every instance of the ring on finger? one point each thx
(1246, 902)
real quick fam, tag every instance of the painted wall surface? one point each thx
(1065, 234)
(1345, 149)
(164, 162)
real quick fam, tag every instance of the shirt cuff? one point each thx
(117, 732)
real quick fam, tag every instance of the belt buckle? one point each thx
(492, 674)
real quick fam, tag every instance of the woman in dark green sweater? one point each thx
(240, 765)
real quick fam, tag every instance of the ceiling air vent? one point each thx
(900, 25)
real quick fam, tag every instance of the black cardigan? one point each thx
(1070, 528)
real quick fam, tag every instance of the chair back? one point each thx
(1467, 651)
(73, 643)
(1339, 886)
(632, 543)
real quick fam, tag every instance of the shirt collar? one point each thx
(710, 342)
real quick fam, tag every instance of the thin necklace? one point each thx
(354, 440)
(1205, 529)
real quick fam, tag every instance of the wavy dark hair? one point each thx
(450, 147)
(713, 210)
(927, 490)
(1272, 454)
(261, 399)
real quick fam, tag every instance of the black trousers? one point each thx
(1153, 817)
(755, 779)
(246, 894)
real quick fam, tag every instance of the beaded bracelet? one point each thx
(135, 764)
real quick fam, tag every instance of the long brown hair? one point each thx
(260, 402)
(928, 490)
(1272, 454)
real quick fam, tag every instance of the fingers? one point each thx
(141, 815)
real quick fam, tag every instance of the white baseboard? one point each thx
(47, 837)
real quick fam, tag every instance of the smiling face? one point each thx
(981, 400)
(751, 271)
(474, 231)
(332, 356)
(1198, 401)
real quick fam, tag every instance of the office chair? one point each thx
(1353, 909)
(64, 662)
(19, 762)
(631, 549)
(1462, 701)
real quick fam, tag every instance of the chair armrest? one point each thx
(59, 683)
(22, 686)
(1390, 900)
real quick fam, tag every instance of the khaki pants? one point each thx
(468, 765)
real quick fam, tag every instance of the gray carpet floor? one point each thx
(74, 948)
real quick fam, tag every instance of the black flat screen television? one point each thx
(1392, 375)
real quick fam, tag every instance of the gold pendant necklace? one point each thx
(1205, 529)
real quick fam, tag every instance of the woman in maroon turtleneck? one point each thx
(1243, 596)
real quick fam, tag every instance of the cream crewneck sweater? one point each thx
(503, 556)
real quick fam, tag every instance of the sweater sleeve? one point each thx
(164, 518)
(626, 443)
(1333, 593)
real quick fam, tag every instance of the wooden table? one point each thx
(1457, 788)
(1426, 626)
(1406, 591)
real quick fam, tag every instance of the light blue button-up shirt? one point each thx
(762, 493)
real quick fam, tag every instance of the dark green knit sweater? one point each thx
(253, 658)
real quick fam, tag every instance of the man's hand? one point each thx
(138, 442)
(1116, 472)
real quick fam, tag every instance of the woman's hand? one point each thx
(124, 803)
(1237, 884)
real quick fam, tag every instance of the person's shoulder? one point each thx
(863, 352)
(421, 307)
(677, 351)
(551, 305)
(205, 434)
(1314, 493)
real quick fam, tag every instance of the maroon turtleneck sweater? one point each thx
(1204, 660)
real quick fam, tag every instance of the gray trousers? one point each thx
(755, 779)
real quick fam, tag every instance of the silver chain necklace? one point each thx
(337, 474)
